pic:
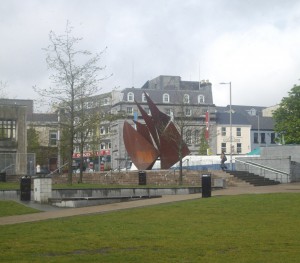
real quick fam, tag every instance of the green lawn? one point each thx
(9, 208)
(245, 228)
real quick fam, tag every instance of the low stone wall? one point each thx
(154, 177)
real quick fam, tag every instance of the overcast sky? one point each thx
(254, 44)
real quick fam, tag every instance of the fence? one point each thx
(17, 163)
(277, 169)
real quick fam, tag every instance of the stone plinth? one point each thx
(42, 190)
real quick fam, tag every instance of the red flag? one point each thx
(207, 125)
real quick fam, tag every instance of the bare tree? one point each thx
(86, 124)
(3, 87)
(74, 74)
(182, 116)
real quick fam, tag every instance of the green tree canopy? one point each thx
(287, 117)
(32, 140)
(204, 145)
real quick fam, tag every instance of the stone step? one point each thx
(252, 179)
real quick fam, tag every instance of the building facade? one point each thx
(13, 138)
(251, 129)
(186, 102)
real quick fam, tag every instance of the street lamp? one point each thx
(230, 120)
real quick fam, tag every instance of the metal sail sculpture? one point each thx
(158, 137)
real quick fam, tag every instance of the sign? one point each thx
(92, 154)
(227, 139)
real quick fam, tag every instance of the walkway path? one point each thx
(67, 212)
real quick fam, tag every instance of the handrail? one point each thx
(5, 168)
(57, 169)
(265, 168)
(169, 171)
(177, 167)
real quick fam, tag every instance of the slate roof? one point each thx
(176, 96)
(241, 116)
(42, 117)
(27, 103)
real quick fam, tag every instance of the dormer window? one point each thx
(130, 96)
(252, 112)
(166, 98)
(201, 99)
(186, 98)
(144, 97)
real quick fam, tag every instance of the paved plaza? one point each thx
(50, 212)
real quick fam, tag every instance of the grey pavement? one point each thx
(49, 212)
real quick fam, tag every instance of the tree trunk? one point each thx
(180, 156)
(70, 168)
(81, 165)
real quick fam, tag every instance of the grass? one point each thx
(9, 208)
(246, 228)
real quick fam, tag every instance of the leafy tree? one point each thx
(32, 140)
(204, 145)
(74, 74)
(42, 153)
(287, 117)
(86, 126)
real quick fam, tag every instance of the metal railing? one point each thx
(8, 167)
(58, 169)
(280, 175)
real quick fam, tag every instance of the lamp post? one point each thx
(230, 120)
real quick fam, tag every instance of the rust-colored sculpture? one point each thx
(158, 137)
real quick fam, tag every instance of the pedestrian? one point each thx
(223, 160)
(38, 168)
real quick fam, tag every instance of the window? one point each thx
(53, 138)
(273, 137)
(102, 146)
(105, 101)
(129, 110)
(223, 147)
(102, 130)
(86, 148)
(76, 149)
(255, 137)
(200, 99)
(89, 134)
(238, 132)
(169, 112)
(188, 112)
(223, 131)
(109, 145)
(7, 130)
(147, 110)
(263, 137)
(186, 98)
(197, 136)
(89, 104)
(252, 112)
(188, 135)
(166, 98)
(144, 97)
(130, 96)
(239, 148)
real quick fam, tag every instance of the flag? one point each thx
(207, 125)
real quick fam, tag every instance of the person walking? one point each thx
(223, 160)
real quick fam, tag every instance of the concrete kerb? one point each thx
(67, 212)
